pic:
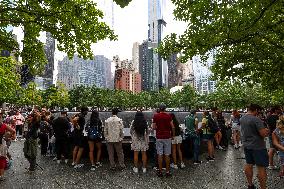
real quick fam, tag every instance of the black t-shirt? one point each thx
(33, 130)
(271, 122)
(60, 127)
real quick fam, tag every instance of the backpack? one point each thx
(190, 126)
(212, 125)
(93, 132)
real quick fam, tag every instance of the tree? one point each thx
(29, 96)
(245, 38)
(56, 96)
(8, 79)
(74, 24)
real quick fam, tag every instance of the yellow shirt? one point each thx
(205, 130)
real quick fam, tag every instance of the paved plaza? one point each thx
(225, 172)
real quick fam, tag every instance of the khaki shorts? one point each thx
(177, 140)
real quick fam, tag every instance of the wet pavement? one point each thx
(225, 173)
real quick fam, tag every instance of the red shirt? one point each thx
(163, 125)
(3, 128)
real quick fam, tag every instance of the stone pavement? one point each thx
(225, 173)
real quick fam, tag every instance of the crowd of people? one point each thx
(66, 138)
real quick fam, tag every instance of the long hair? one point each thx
(175, 121)
(94, 120)
(139, 124)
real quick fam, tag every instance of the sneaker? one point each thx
(159, 174)
(209, 159)
(272, 167)
(144, 170)
(78, 166)
(93, 168)
(174, 166)
(197, 162)
(182, 165)
(73, 163)
(155, 168)
(220, 148)
(58, 161)
(240, 144)
(236, 146)
(66, 161)
(135, 169)
(98, 164)
(168, 174)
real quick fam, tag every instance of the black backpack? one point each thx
(212, 125)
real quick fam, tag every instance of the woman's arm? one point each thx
(276, 142)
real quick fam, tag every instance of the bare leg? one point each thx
(91, 152)
(160, 162)
(210, 150)
(249, 173)
(1, 172)
(136, 159)
(174, 153)
(262, 176)
(99, 151)
(80, 151)
(75, 153)
(235, 137)
(144, 159)
(167, 157)
(270, 155)
(179, 153)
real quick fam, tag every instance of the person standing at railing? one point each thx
(113, 132)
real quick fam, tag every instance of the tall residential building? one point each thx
(126, 77)
(148, 66)
(135, 56)
(156, 24)
(173, 72)
(78, 71)
(203, 84)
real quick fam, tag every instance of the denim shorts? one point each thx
(256, 157)
(164, 146)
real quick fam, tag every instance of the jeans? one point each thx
(196, 146)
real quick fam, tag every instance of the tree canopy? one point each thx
(246, 38)
(75, 24)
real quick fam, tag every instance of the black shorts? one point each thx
(257, 157)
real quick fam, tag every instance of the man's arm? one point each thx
(262, 130)
(154, 126)
(106, 130)
(173, 129)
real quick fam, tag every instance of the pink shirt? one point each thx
(19, 119)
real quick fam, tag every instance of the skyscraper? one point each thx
(148, 66)
(135, 56)
(156, 24)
